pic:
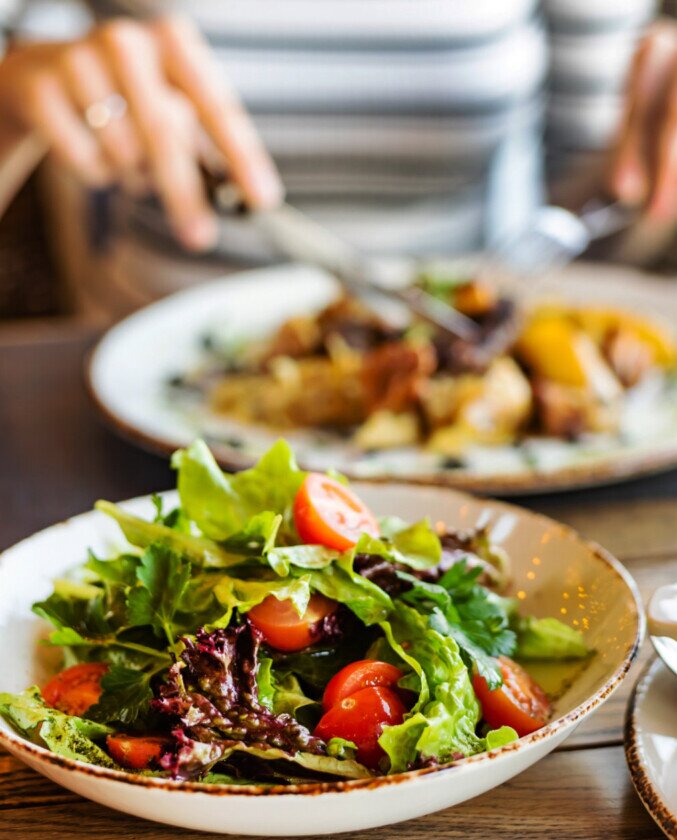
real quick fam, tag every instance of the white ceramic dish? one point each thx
(554, 571)
(130, 369)
(651, 744)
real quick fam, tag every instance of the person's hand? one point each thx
(644, 162)
(134, 103)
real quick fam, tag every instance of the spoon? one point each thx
(662, 624)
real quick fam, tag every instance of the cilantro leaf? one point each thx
(476, 618)
(471, 652)
(163, 578)
(78, 621)
(126, 695)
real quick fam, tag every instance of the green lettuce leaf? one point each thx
(500, 737)
(281, 695)
(548, 638)
(257, 537)
(340, 748)
(342, 583)
(140, 533)
(66, 735)
(233, 593)
(302, 556)
(331, 765)
(265, 681)
(220, 504)
(417, 546)
(487, 666)
(442, 722)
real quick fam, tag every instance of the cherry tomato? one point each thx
(75, 689)
(359, 675)
(328, 513)
(520, 702)
(136, 752)
(283, 628)
(360, 718)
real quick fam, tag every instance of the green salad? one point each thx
(270, 629)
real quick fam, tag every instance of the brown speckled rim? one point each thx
(665, 818)
(22, 748)
(623, 467)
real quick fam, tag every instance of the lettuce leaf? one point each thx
(417, 546)
(478, 619)
(233, 593)
(548, 638)
(341, 582)
(221, 505)
(280, 695)
(442, 723)
(496, 738)
(141, 533)
(66, 735)
(281, 559)
(330, 765)
(257, 537)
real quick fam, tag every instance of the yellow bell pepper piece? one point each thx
(555, 348)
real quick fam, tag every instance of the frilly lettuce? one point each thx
(220, 504)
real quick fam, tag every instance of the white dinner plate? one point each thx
(130, 369)
(554, 572)
(651, 744)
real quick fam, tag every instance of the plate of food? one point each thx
(278, 652)
(575, 386)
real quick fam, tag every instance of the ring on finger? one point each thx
(100, 114)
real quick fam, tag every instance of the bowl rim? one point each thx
(18, 745)
(663, 816)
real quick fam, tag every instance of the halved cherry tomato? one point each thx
(328, 513)
(136, 752)
(75, 689)
(359, 675)
(360, 718)
(520, 702)
(283, 628)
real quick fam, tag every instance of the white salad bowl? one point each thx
(554, 572)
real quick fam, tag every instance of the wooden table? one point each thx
(56, 459)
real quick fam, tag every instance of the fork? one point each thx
(557, 236)
(302, 238)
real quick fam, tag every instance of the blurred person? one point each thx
(394, 122)
(644, 157)
(132, 103)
